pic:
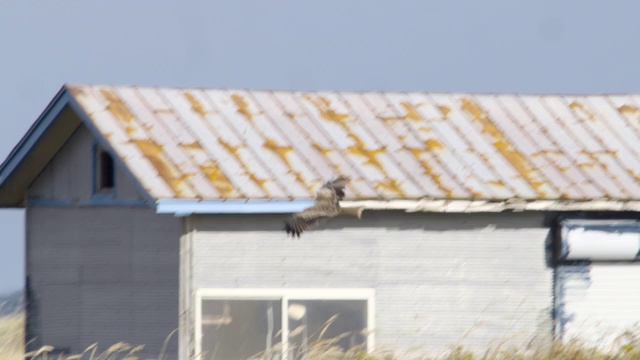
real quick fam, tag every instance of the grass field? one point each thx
(627, 348)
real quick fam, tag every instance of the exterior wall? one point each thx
(102, 274)
(440, 279)
(99, 268)
(597, 302)
(69, 175)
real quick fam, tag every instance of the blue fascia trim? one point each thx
(184, 207)
(104, 144)
(96, 201)
(49, 202)
(33, 135)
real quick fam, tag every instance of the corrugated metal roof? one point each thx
(238, 144)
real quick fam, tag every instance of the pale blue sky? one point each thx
(540, 46)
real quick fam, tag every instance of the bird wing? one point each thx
(302, 221)
(327, 206)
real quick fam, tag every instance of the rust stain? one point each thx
(242, 105)
(445, 110)
(428, 170)
(628, 109)
(195, 104)
(289, 115)
(219, 180)
(117, 107)
(234, 151)
(282, 151)
(130, 130)
(516, 159)
(153, 152)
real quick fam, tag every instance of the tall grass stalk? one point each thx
(626, 347)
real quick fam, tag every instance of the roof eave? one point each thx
(186, 207)
(35, 132)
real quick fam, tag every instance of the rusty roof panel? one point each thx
(240, 144)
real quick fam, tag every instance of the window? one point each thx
(249, 323)
(105, 177)
(604, 240)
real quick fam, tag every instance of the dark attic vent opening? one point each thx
(106, 171)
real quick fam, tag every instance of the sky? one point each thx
(541, 46)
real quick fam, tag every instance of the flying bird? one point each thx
(327, 206)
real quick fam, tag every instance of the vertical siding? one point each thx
(103, 275)
(440, 279)
(69, 175)
(597, 302)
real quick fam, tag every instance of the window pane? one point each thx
(308, 318)
(240, 329)
(105, 169)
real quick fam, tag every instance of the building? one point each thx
(486, 217)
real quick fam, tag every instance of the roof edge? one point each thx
(33, 135)
(186, 207)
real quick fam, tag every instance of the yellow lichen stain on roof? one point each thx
(428, 170)
(628, 109)
(282, 151)
(219, 180)
(516, 159)
(370, 155)
(195, 104)
(192, 146)
(242, 106)
(547, 152)
(579, 108)
(390, 185)
(445, 110)
(323, 105)
(117, 107)
(234, 151)
(325, 152)
(320, 149)
(410, 113)
(497, 183)
(153, 152)
(433, 144)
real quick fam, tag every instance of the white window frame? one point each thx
(284, 295)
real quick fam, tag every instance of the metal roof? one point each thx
(240, 144)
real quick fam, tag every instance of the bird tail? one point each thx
(357, 212)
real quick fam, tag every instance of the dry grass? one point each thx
(627, 347)
(11, 336)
